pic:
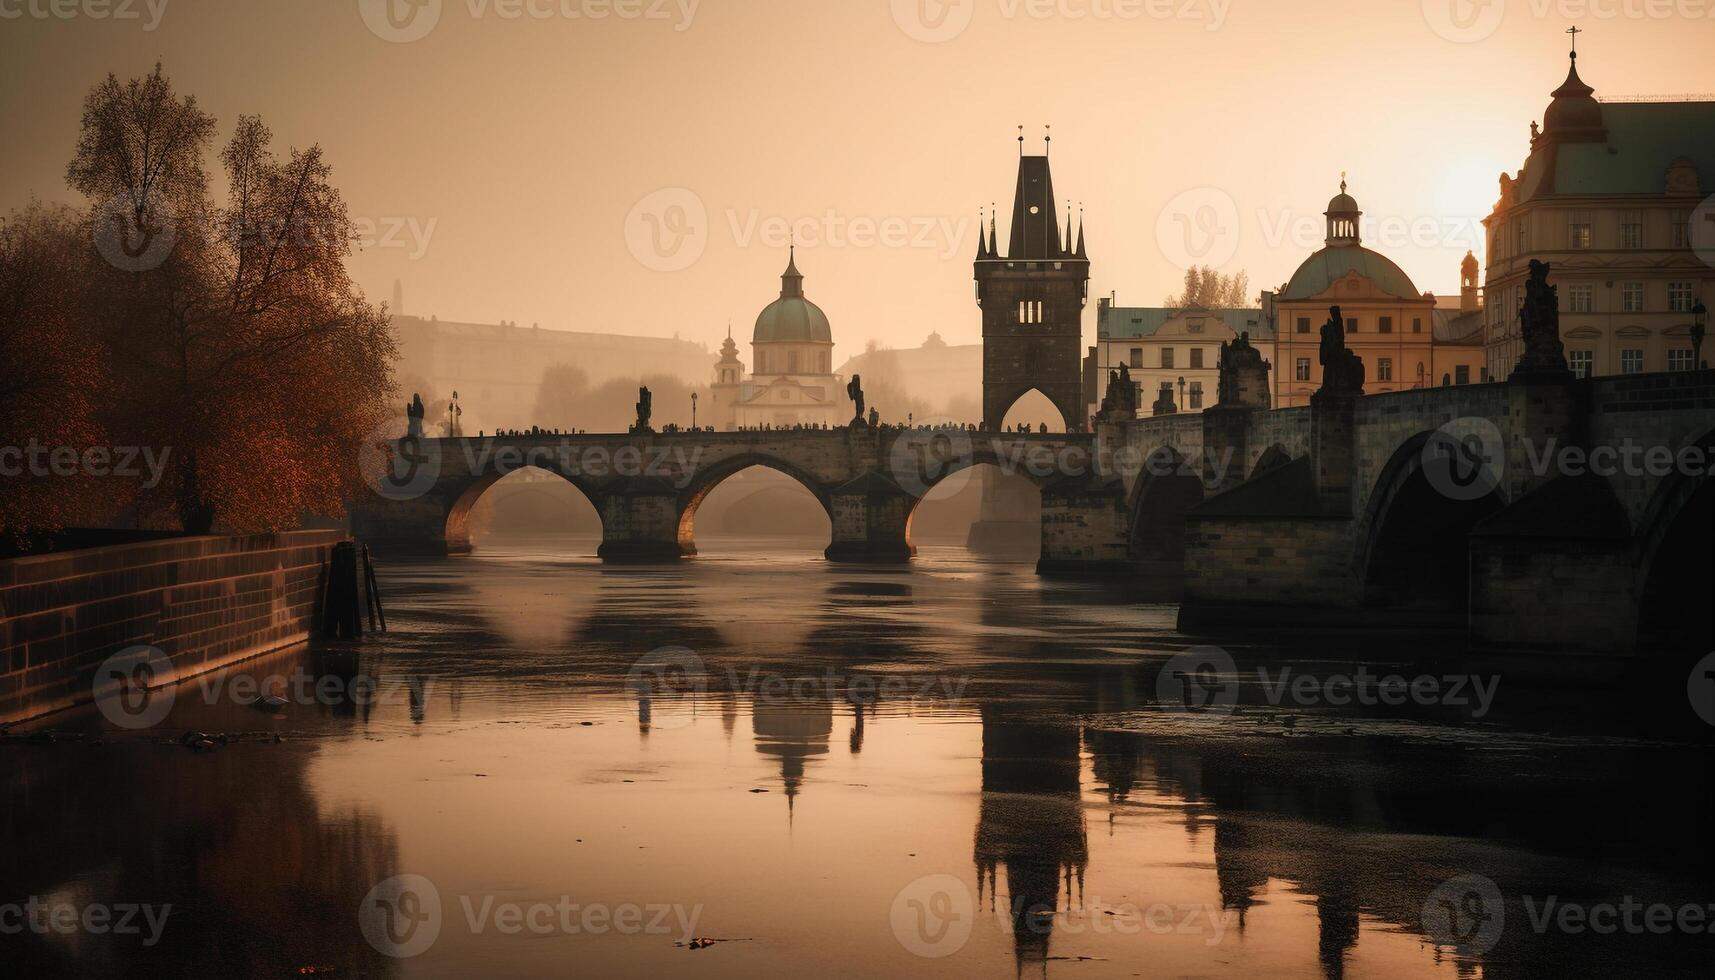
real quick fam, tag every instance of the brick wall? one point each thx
(203, 601)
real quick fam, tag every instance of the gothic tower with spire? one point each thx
(1032, 302)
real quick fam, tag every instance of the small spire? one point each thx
(1080, 252)
(982, 235)
(1021, 139)
(1342, 182)
(1047, 139)
(1574, 32)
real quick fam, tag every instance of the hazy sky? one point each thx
(635, 172)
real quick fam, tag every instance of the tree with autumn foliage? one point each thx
(237, 338)
(1208, 288)
(55, 381)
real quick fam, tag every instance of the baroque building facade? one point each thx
(1610, 196)
(1176, 351)
(1405, 337)
(793, 381)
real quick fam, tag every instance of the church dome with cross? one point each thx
(792, 318)
(1344, 254)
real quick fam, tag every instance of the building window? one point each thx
(1632, 297)
(1579, 233)
(1632, 233)
(1196, 357)
(1631, 361)
(1384, 369)
(1166, 357)
(1303, 324)
(1351, 324)
(1384, 324)
(1580, 298)
(1679, 359)
(1679, 297)
(1196, 394)
(1462, 374)
(1301, 369)
(1416, 324)
(1580, 362)
(1030, 311)
(1136, 357)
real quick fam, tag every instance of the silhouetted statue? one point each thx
(1342, 370)
(1243, 378)
(645, 408)
(1164, 403)
(874, 419)
(854, 391)
(414, 418)
(1119, 403)
(1544, 356)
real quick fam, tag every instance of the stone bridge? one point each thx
(647, 487)
(1565, 515)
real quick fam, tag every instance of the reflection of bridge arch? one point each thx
(705, 482)
(1412, 541)
(457, 519)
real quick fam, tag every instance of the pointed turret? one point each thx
(1035, 231)
(1080, 253)
(791, 281)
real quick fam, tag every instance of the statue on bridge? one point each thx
(414, 413)
(1544, 356)
(645, 408)
(854, 391)
(1243, 381)
(1342, 370)
(1119, 403)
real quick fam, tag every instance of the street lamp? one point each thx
(693, 411)
(1697, 330)
(1182, 393)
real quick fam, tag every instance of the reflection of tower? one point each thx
(1032, 820)
(792, 730)
(1033, 303)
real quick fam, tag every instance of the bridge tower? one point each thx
(1032, 301)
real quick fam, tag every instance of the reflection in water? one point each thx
(987, 716)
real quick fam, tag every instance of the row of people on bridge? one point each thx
(673, 427)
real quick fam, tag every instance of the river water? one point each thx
(757, 763)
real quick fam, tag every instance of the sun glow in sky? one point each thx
(640, 172)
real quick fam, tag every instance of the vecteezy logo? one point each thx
(668, 229)
(1464, 21)
(1702, 231)
(400, 21)
(1199, 227)
(1201, 680)
(396, 467)
(1465, 913)
(401, 916)
(933, 916)
(134, 687)
(666, 672)
(1700, 688)
(133, 236)
(1464, 459)
(933, 21)
(921, 459)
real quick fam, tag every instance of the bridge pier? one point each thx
(640, 521)
(871, 516)
(1084, 529)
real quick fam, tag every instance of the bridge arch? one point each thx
(707, 479)
(1412, 540)
(1673, 549)
(463, 503)
(1168, 486)
(1041, 403)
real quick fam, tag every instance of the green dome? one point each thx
(1331, 264)
(792, 318)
